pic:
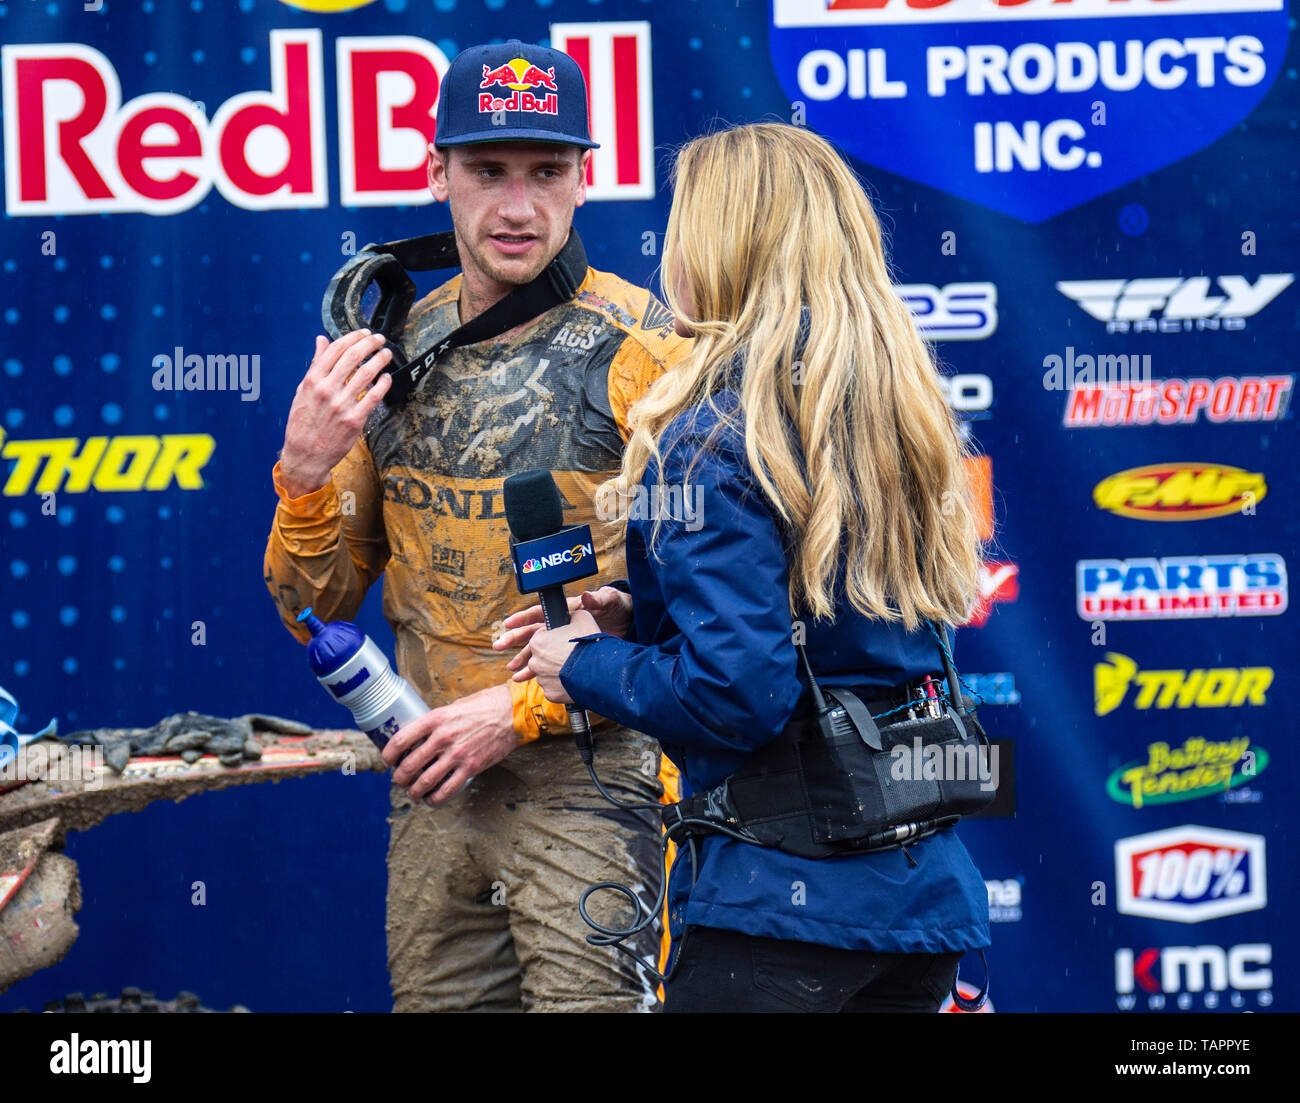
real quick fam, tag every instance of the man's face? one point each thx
(512, 204)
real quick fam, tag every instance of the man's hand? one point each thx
(611, 608)
(449, 745)
(329, 410)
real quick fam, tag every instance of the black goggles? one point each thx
(373, 291)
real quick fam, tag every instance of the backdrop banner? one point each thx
(1090, 207)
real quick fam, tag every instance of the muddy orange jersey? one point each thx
(418, 499)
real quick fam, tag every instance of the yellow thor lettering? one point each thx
(123, 463)
(1217, 688)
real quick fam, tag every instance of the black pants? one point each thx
(728, 971)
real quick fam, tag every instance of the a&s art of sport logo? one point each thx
(1029, 107)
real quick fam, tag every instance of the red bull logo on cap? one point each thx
(522, 77)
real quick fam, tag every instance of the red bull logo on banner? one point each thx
(523, 79)
(78, 140)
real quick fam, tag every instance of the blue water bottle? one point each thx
(356, 673)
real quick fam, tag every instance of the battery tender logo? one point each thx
(1023, 88)
(1180, 491)
(1181, 586)
(1199, 768)
(1188, 874)
(523, 78)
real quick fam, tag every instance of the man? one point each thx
(483, 887)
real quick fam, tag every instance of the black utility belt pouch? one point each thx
(836, 782)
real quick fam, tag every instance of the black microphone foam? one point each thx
(533, 506)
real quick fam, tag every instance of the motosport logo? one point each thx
(1175, 304)
(1189, 874)
(1198, 768)
(1188, 972)
(1181, 586)
(1180, 491)
(1202, 688)
(1179, 401)
(1042, 104)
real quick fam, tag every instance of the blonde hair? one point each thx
(766, 219)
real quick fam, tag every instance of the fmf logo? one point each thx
(71, 146)
(570, 555)
(1174, 304)
(1188, 874)
(1199, 768)
(522, 78)
(1178, 401)
(1218, 687)
(998, 582)
(106, 463)
(1186, 971)
(1181, 586)
(955, 312)
(1180, 491)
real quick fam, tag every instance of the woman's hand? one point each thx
(547, 651)
(611, 609)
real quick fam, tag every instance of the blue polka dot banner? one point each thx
(1090, 207)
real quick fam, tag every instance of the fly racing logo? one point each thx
(1174, 304)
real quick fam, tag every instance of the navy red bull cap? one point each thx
(513, 92)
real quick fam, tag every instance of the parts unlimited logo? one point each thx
(1180, 491)
(1198, 768)
(1042, 104)
(1214, 687)
(1182, 586)
(1188, 874)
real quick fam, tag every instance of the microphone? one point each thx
(546, 555)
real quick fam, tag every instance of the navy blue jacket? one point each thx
(711, 672)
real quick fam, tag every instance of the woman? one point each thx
(797, 479)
